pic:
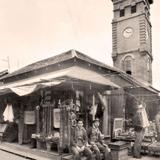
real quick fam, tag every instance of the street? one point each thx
(9, 156)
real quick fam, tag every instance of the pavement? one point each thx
(9, 156)
(145, 158)
(27, 152)
(24, 152)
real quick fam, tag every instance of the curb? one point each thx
(23, 153)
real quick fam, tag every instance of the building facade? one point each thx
(132, 38)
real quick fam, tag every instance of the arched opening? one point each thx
(127, 63)
(148, 64)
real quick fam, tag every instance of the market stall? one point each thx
(50, 104)
(59, 108)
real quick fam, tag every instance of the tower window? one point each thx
(129, 72)
(133, 9)
(148, 64)
(122, 13)
(127, 64)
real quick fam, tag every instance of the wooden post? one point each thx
(21, 124)
(69, 128)
(37, 120)
(50, 119)
(61, 129)
(45, 120)
(85, 108)
(109, 113)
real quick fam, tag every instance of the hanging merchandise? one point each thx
(78, 103)
(56, 117)
(72, 105)
(93, 109)
(143, 116)
(29, 117)
(8, 113)
(73, 118)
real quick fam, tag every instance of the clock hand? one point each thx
(128, 31)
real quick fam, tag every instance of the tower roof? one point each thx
(150, 1)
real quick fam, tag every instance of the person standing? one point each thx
(157, 123)
(79, 142)
(96, 140)
(140, 122)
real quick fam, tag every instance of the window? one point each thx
(148, 64)
(133, 9)
(122, 13)
(128, 65)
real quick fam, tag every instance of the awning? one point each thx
(81, 74)
(27, 89)
(29, 85)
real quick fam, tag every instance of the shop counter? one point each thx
(154, 148)
(119, 150)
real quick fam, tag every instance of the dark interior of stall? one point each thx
(122, 117)
(47, 116)
(44, 118)
(8, 126)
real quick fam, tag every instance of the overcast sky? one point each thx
(31, 30)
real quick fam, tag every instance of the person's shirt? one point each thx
(157, 122)
(94, 135)
(137, 121)
(76, 133)
(80, 144)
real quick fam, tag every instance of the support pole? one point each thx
(21, 124)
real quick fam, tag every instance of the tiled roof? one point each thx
(57, 59)
(138, 83)
(3, 73)
(72, 54)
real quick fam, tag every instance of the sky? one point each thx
(32, 30)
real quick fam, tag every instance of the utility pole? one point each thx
(8, 62)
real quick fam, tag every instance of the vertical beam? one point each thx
(43, 120)
(61, 127)
(84, 99)
(21, 124)
(37, 120)
(50, 119)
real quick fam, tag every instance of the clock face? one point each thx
(128, 32)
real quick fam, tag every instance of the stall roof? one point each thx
(71, 54)
(58, 59)
(3, 73)
(27, 86)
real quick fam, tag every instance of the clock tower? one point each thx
(132, 38)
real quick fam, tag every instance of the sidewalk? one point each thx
(25, 151)
(145, 158)
(36, 154)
